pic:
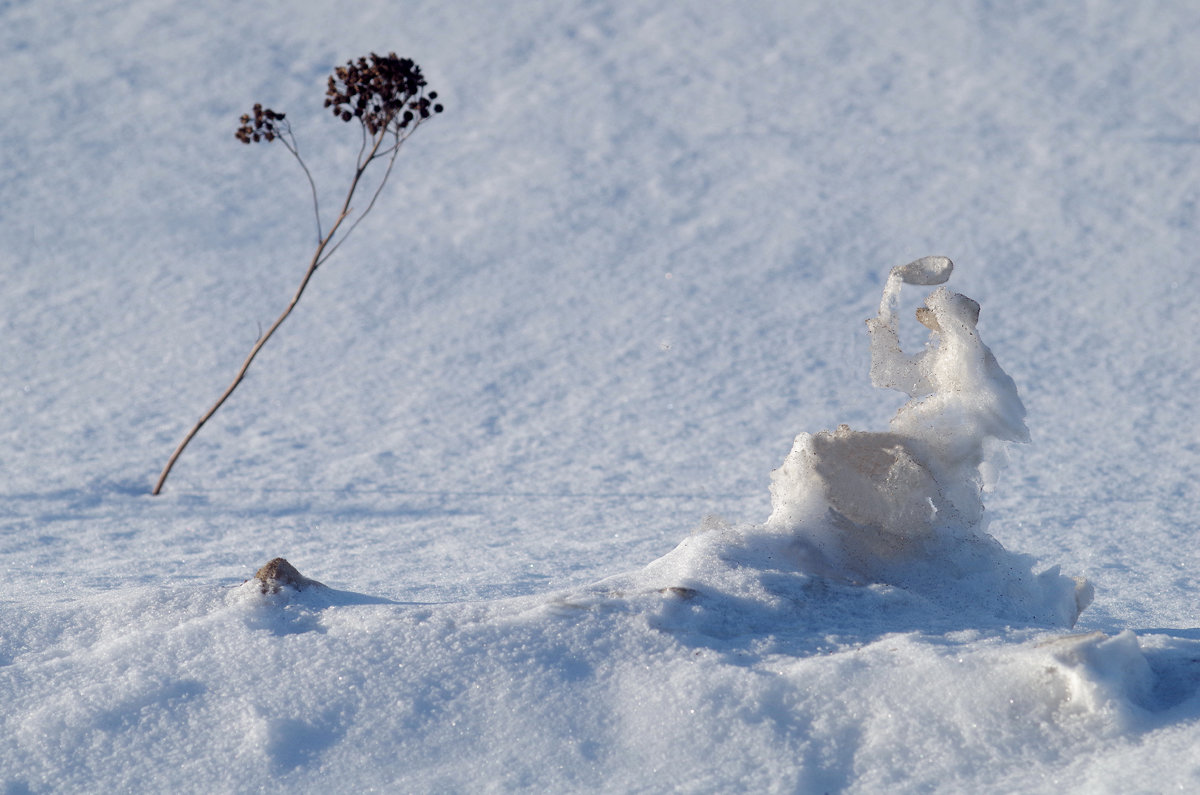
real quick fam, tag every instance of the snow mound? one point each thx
(1102, 674)
(884, 522)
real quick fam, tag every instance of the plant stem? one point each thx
(314, 263)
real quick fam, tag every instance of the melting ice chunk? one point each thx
(904, 506)
(899, 508)
(925, 271)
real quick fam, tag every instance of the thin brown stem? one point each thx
(294, 148)
(395, 150)
(313, 264)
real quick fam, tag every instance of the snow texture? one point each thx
(530, 427)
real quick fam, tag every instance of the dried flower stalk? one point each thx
(387, 96)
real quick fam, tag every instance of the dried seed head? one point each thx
(385, 93)
(264, 124)
(379, 90)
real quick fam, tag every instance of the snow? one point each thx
(523, 425)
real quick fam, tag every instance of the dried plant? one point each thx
(386, 95)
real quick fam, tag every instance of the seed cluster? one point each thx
(264, 124)
(380, 91)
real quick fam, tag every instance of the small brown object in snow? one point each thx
(278, 573)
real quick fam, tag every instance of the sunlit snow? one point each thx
(577, 470)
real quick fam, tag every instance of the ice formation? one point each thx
(897, 511)
(903, 506)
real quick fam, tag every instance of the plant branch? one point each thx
(395, 150)
(319, 256)
(258, 346)
(289, 141)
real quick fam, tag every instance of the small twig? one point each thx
(289, 141)
(370, 206)
(362, 147)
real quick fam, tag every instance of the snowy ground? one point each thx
(612, 282)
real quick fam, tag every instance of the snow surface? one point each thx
(524, 423)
